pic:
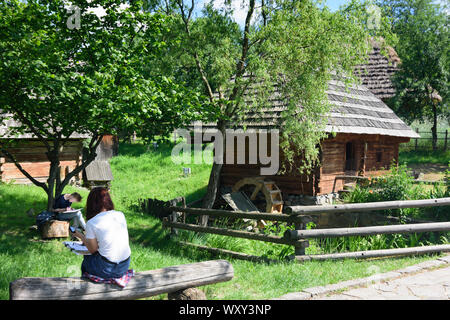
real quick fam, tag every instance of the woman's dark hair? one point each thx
(98, 201)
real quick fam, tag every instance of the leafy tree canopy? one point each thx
(294, 45)
(92, 76)
(423, 46)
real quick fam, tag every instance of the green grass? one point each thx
(139, 173)
(425, 157)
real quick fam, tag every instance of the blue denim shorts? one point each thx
(96, 265)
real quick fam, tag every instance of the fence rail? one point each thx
(299, 216)
(366, 231)
(425, 141)
(368, 206)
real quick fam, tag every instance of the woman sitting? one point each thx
(106, 237)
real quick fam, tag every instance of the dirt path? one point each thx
(428, 285)
(432, 172)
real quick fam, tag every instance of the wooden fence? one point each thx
(425, 141)
(299, 216)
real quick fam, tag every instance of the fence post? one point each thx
(417, 130)
(299, 251)
(445, 141)
(174, 215)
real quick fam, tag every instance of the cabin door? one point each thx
(350, 156)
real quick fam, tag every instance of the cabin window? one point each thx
(349, 156)
(379, 155)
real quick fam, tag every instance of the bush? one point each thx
(398, 185)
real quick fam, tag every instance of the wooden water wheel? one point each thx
(272, 194)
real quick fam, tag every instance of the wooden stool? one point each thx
(55, 229)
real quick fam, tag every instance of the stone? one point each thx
(295, 296)
(410, 269)
(446, 259)
(187, 294)
(431, 264)
(314, 291)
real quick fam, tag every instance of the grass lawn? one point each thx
(425, 157)
(141, 173)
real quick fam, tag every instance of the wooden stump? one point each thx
(187, 294)
(55, 229)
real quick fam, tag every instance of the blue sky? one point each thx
(334, 4)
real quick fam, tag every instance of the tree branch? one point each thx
(94, 143)
(186, 20)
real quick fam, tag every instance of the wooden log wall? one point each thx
(373, 160)
(291, 182)
(31, 155)
(381, 150)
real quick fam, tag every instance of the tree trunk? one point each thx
(51, 182)
(434, 128)
(214, 179)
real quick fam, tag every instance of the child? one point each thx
(64, 203)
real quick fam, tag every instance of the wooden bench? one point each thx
(142, 285)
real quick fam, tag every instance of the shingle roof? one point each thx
(354, 110)
(10, 123)
(377, 73)
(99, 170)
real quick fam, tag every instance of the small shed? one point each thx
(98, 174)
(30, 153)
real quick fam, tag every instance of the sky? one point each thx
(334, 4)
(240, 12)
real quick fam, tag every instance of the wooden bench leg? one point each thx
(187, 294)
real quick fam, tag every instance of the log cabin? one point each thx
(366, 141)
(364, 133)
(30, 153)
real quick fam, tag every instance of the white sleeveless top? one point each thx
(110, 230)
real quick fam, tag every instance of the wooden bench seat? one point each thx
(142, 285)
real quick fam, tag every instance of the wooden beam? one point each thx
(243, 214)
(376, 253)
(367, 231)
(369, 206)
(235, 233)
(143, 284)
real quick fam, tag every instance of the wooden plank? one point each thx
(367, 231)
(238, 201)
(235, 233)
(369, 206)
(143, 284)
(376, 253)
(243, 214)
(39, 169)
